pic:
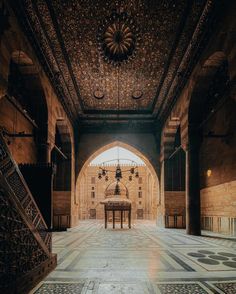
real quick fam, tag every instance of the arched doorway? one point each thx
(143, 191)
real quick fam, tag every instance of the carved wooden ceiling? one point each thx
(109, 57)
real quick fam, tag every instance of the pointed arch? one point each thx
(126, 146)
(154, 198)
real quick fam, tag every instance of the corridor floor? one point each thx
(144, 259)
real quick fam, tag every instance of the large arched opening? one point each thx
(142, 191)
(211, 149)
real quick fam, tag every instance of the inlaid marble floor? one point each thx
(144, 259)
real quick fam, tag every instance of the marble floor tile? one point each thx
(144, 259)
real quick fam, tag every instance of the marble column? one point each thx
(161, 204)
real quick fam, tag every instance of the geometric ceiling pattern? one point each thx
(160, 38)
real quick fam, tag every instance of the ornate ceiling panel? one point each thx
(109, 57)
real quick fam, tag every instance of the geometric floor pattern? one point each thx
(143, 259)
(60, 288)
(184, 288)
(226, 287)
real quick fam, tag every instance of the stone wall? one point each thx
(218, 208)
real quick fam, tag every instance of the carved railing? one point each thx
(20, 251)
(21, 194)
(25, 240)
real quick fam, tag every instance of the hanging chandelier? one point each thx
(105, 172)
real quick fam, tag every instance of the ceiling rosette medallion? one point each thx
(118, 38)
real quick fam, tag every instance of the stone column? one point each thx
(193, 213)
(161, 204)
